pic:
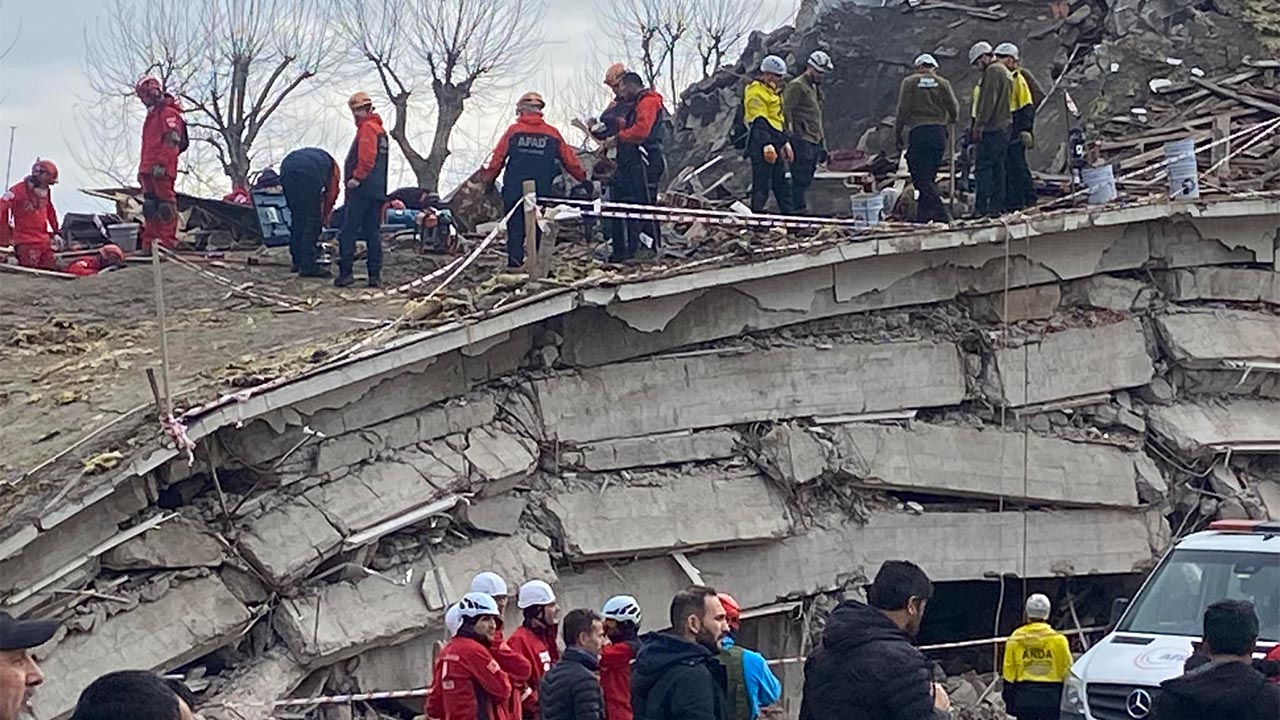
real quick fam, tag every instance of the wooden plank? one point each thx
(1220, 154)
(36, 272)
(1238, 97)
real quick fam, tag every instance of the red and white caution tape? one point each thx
(732, 220)
(269, 297)
(598, 206)
(177, 431)
(327, 699)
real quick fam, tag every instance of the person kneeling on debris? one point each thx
(767, 142)
(472, 685)
(310, 180)
(164, 138)
(530, 150)
(28, 221)
(927, 107)
(1024, 94)
(1037, 659)
(109, 256)
(641, 162)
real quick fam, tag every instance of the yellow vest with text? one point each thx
(1036, 653)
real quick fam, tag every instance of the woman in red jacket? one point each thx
(472, 685)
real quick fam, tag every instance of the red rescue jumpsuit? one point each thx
(29, 222)
(85, 266)
(472, 684)
(615, 680)
(164, 137)
(515, 666)
(541, 656)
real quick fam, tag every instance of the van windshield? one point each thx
(1188, 581)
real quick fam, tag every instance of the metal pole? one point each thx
(8, 169)
(951, 153)
(165, 408)
(529, 190)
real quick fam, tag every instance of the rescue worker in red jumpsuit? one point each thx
(108, 256)
(366, 175)
(530, 150)
(535, 640)
(622, 624)
(164, 138)
(28, 221)
(472, 685)
(515, 665)
(434, 706)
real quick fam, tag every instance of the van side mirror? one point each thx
(1118, 606)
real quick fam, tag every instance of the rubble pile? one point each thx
(775, 427)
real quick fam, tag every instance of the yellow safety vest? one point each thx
(1019, 98)
(760, 100)
(1036, 653)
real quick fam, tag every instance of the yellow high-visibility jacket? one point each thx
(1036, 653)
(1021, 95)
(760, 100)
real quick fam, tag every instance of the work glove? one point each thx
(157, 171)
(770, 154)
(788, 153)
(1027, 139)
(352, 184)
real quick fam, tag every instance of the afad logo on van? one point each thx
(1161, 658)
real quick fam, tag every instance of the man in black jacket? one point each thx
(571, 689)
(1227, 686)
(676, 675)
(867, 668)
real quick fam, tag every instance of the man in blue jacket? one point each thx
(751, 684)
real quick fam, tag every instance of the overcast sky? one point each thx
(42, 84)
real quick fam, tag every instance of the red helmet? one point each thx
(147, 86)
(732, 611)
(111, 251)
(47, 167)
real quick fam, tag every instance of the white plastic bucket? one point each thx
(867, 209)
(1101, 184)
(1184, 174)
(124, 235)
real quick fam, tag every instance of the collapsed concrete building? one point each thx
(1049, 400)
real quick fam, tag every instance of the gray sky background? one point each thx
(42, 84)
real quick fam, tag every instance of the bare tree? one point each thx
(654, 32)
(457, 47)
(232, 63)
(720, 26)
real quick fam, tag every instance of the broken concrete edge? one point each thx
(410, 349)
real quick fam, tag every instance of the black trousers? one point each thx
(993, 158)
(927, 144)
(363, 221)
(1020, 188)
(636, 181)
(808, 155)
(304, 194)
(766, 177)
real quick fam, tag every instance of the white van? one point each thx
(1118, 678)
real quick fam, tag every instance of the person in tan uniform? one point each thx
(992, 119)
(927, 107)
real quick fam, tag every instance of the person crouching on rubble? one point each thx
(531, 149)
(164, 138)
(768, 143)
(109, 256)
(472, 685)
(28, 221)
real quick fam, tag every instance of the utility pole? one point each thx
(8, 169)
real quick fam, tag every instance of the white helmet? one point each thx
(1007, 49)
(622, 608)
(477, 604)
(453, 619)
(535, 592)
(489, 583)
(1038, 607)
(773, 64)
(978, 50)
(821, 62)
(925, 59)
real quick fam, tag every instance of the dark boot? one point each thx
(345, 278)
(375, 281)
(315, 272)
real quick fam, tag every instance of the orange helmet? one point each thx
(532, 98)
(614, 74)
(732, 611)
(360, 100)
(111, 251)
(148, 86)
(47, 167)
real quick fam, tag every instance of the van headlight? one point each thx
(1073, 698)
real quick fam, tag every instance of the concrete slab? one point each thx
(370, 494)
(346, 619)
(498, 515)
(269, 678)
(289, 542)
(195, 618)
(178, 543)
(1193, 428)
(498, 455)
(667, 394)
(1205, 339)
(655, 450)
(1104, 291)
(707, 509)
(1269, 493)
(1031, 303)
(398, 666)
(651, 581)
(792, 455)
(1214, 283)
(56, 547)
(963, 461)
(1075, 362)
(455, 416)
